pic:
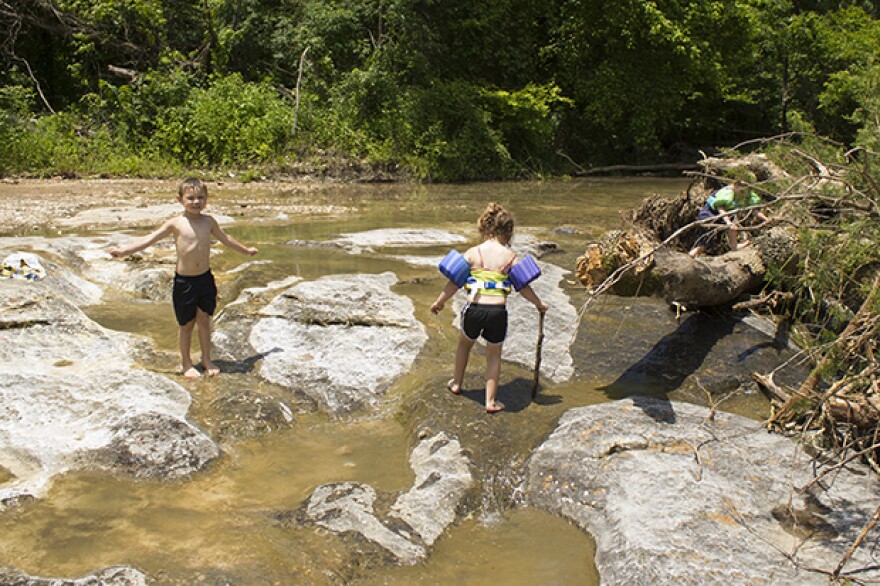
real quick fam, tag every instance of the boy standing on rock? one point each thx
(194, 294)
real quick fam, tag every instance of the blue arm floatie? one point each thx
(455, 267)
(524, 272)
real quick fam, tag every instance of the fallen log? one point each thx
(658, 270)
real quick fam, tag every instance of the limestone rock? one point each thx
(417, 518)
(674, 496)
(340, 340)
(72, 397)
(113, 576)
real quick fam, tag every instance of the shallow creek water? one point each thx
(219, 524)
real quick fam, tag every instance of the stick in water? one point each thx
(538, 354)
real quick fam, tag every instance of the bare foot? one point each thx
(495, 407)
(191, 372)
(211, 369)
(453, 388)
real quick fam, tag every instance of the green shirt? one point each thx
(724, 200)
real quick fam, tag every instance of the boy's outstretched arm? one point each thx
(530, 294)
(229, 241)
(142, 243)
(447, 292)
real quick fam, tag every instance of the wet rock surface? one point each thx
(243, 414)
(415, 519)
(115, 576)
(70, 395)
(673, 495)
(689, 356)
(339, 340)
(155, 445)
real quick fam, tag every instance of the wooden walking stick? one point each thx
(538, 354)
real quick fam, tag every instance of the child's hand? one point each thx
(542, 307)
(437, 307)
(251, 251)
(115, 252)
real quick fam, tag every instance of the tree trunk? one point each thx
(657, 270)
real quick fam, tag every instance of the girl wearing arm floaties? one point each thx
(485, 313)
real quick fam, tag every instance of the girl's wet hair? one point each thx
(192, 185)
(495, 222)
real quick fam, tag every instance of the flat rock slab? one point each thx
(674, 497)
(416, 519)
(71, 397)
(358, 242)
(340, 340)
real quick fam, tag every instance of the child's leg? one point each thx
(493, 372)
(204, 321)
(733, 238)
(462, 354)
(184, 337)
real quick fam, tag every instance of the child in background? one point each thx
(485, 313)
(728, 198)
(194, 294)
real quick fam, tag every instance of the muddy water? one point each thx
(222, 526)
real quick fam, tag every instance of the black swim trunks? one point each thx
(190, 293)
(490, 321)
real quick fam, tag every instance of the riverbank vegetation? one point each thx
(432, 90)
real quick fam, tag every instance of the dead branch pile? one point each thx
(811, 187)
(829, 199)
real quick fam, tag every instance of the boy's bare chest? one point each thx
(193, 234)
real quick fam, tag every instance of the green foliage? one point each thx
(836, 264)
(133, 111)
(447, 89)
(15, 110)
(644, 74)
(461, 131)
(229, 123)
(859, 87)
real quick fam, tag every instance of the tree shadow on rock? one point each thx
(669, 363)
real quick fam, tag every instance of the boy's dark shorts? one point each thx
(190, 293)
(709, 235)
(490, 321)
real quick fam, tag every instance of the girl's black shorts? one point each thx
(490, 321)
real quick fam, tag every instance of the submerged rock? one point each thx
(243, 414)
(672, 495)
